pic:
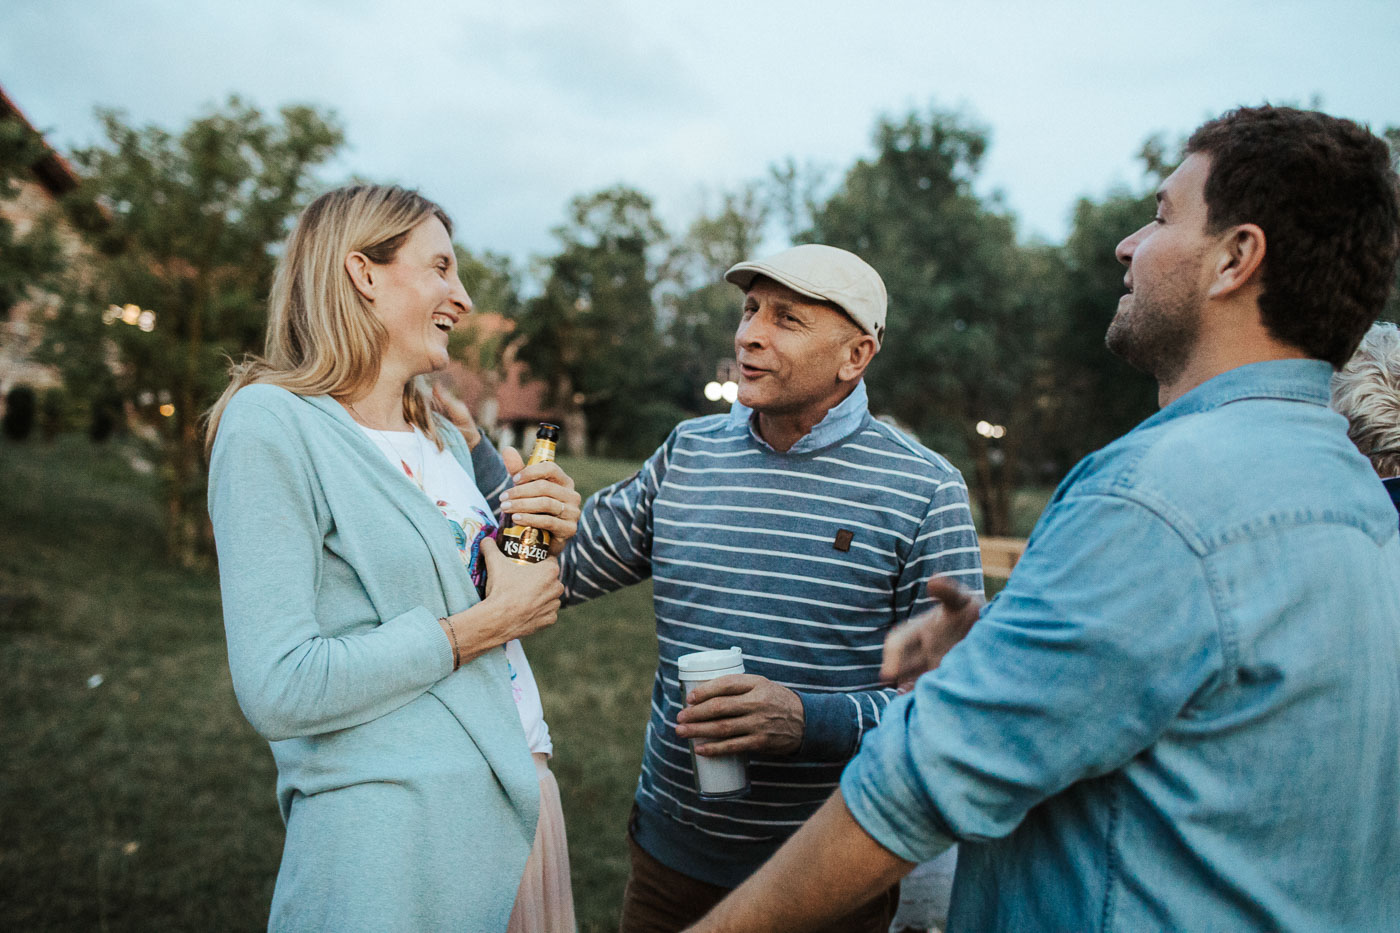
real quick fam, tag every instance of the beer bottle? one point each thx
(531, 545)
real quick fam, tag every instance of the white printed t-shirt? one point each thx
(453, 490)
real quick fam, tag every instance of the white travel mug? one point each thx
(723, 775)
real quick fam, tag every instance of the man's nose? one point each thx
(751, 333)
(1129, 244)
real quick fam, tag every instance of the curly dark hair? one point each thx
(1325, 194)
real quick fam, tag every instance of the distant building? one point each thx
(506, 402)
(22, 326)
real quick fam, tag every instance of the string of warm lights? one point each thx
(144, 320)
(134, 315)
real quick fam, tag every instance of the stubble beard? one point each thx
(1157, 336)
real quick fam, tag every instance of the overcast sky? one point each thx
(504, 111)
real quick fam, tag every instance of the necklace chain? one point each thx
(416, 475)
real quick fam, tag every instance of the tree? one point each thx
(592, 335)
(29, 260)
(491, 279)
(964, 322)
(702, 309)
(480, 341)
(1098, 396)
(195, 218)
(795, 193)
(21, 405)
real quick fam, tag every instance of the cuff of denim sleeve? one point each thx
(885, 795)
(829, 727)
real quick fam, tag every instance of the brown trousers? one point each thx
(659, 899)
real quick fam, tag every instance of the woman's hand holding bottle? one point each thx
(543, 497)
(520, 599)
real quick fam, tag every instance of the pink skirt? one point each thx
(545, 901)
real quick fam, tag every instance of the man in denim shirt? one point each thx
(1183, 712)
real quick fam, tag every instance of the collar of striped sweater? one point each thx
(840, 422)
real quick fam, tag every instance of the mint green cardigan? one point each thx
(408, 791)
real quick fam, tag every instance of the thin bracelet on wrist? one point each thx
(456, 652)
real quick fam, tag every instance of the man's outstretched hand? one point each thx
(920, 644)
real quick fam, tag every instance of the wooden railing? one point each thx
(999, 555)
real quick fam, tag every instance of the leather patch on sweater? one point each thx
(843, 540)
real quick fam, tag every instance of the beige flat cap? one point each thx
(827, 274)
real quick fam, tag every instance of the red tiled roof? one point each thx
(53, 169)
(518, 397)
(523, 399)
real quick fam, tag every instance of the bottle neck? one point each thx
(543, 452)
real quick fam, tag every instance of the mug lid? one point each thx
(709, 660)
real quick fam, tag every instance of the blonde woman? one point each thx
(350, 525)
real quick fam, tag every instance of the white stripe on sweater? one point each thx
(780, 662)
(795, 475)
(837, 520)
(695, 584)
(751, 532)
(805, 497)
(782, 575)
(742, 613)
(731, 633)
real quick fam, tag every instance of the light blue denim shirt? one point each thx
(1183, 712)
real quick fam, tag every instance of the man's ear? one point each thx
(861, 351)
(1239, 261)
(362, 274)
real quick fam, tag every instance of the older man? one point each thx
(1366, 392)
(798, 528)
(1183, 711)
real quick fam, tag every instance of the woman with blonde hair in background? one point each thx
(352, 537)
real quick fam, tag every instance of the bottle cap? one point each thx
(547, 431)
(701, 661)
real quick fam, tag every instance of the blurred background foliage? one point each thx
(135, 795)
(626, 321)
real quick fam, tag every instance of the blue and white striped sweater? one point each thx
(744, 547)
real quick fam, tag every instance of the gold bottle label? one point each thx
(529, 547)
(520, 543)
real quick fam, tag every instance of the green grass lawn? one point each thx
(142, 801)
(133, 796)
(595, 669)
(145, 802)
